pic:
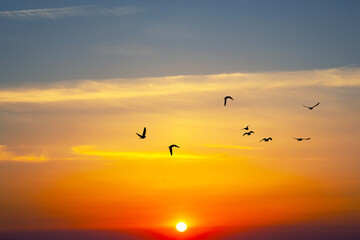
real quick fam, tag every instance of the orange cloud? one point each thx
(92, 151)
(7, 155)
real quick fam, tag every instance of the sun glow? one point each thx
(181, 227)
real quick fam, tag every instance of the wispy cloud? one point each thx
(165, 86)
(228, 146)
(53, 13)
(92, 151)
(131, 50)
(7, 155)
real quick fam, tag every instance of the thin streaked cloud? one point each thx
(74, 11)
(92, 151)
(228, 146)
(132, 50)
(164, 86)
(7, 155)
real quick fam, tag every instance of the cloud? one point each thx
(90, 150)
(81, 11)
(132, 50)
(183, 84)
(6, 155)
(228, 146)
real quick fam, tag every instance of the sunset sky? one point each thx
(79, 78)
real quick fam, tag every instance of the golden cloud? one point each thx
(163, 86)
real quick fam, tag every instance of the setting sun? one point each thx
(181, 227)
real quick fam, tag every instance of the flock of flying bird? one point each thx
(245, 128)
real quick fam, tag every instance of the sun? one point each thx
(181, 227)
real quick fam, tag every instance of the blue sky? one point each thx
(128, 39)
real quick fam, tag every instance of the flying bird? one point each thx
(171, 147)
(248, 133)
(300, 139)
(226, 98)
(246, 128)
(266, 139)
(311, 108)
(143, 134)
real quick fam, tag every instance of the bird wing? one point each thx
(306, 106)
(270, 138)
(245, 134)
(171, 146)
(316, 104)
(262, 139)
(296, 138)
(225, 99)
(306, 138)
(144, 132)
(138, 135)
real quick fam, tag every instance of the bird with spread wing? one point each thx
(300, 139)
(226, 98)
(311, 108)
(143, 134)
(248, 133)
(171, 147)
(266, 139)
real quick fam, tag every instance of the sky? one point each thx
(79, 78)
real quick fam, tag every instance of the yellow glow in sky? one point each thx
(74, 155)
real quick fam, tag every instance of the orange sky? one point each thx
(69, 156)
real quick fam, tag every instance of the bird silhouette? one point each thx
(143, 134)
(171, 147)
(311, 108)
(300, 139)
(266, 139)
(248, 133)
(246, 128)
(226, 98)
